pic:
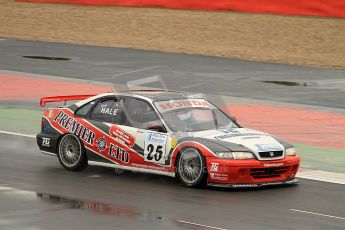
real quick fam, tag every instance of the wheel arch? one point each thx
(203, 150)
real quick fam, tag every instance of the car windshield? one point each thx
(189, 117)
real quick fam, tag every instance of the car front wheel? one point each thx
(191, 168)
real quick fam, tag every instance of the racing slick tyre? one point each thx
(71, 153)
(191, 168)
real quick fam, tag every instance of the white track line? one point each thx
(331, 177)
(317, 214)
(200, 225)
(17, 134)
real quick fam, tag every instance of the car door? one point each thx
(105, 116)
(141, 122)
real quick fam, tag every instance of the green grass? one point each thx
(321, 158)
(20, 120)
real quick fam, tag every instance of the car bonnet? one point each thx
(254, 140)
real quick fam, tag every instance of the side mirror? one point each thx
(156, 126)
(157, 129)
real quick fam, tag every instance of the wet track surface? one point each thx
(37, 193)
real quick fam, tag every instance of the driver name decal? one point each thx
(108, 110)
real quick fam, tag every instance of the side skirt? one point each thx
(96, 163)
(49, 153)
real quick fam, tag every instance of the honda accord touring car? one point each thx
(164, 132)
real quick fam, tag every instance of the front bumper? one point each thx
(251, 173)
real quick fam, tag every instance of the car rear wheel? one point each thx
(71, 153)
(191, 168)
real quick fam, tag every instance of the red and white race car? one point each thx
(167, 133)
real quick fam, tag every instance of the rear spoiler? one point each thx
(45, 100)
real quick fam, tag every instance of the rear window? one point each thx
(84, 110)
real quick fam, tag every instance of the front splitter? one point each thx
(254, 185)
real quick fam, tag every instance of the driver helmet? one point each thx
(183, 115)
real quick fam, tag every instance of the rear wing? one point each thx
(45, 100)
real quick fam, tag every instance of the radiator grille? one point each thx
(271, 154)
(268, 172)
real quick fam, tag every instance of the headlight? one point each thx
(225, 155)
(235, 155)
(290, 151)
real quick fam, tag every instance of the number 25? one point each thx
(157, 155)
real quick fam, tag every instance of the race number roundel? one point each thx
(155, 147)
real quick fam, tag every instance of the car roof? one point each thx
(149, 95)
(162, 95)
(155, 95)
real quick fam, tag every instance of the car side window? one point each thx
(223, 120)
(107, 111)
(83, 111)
(139, 113)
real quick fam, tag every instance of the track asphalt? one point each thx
(37, 193)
